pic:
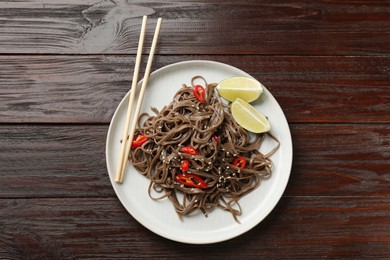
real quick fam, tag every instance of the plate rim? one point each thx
(273, 202)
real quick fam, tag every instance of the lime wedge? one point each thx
(249, 117)
(247, 89)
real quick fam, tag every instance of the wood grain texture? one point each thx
(100, 227)
(69, 161)
(197, 27)
(87, 89)
(47, 161)
(349, 160)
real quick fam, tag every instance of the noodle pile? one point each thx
(210, 128)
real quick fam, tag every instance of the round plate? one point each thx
(160, 216)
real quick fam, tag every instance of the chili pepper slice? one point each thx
(139, 140)
(240, 162)
(191, 180)
(216, 139)
(185, 164)
(189, 150)
(199, 93)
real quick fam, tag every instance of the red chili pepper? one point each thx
(189, 150)
(216, 139)
(240, 162)
(199, 93)
(185, 164)
(191, 180)
(139, 141)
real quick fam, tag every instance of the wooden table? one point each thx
(65, 65)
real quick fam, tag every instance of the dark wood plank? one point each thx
(347, 160)
(197, 27)
(53, 160)
(69, 161)
(89, 88)
(98, 228)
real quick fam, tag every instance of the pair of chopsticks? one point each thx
(128, 137)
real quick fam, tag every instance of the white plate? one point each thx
(160, 217)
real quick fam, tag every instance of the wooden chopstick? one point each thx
(128, 142)
(131, 99)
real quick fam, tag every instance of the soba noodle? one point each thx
(209, 128)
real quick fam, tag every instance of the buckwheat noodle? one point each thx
(186, 121)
